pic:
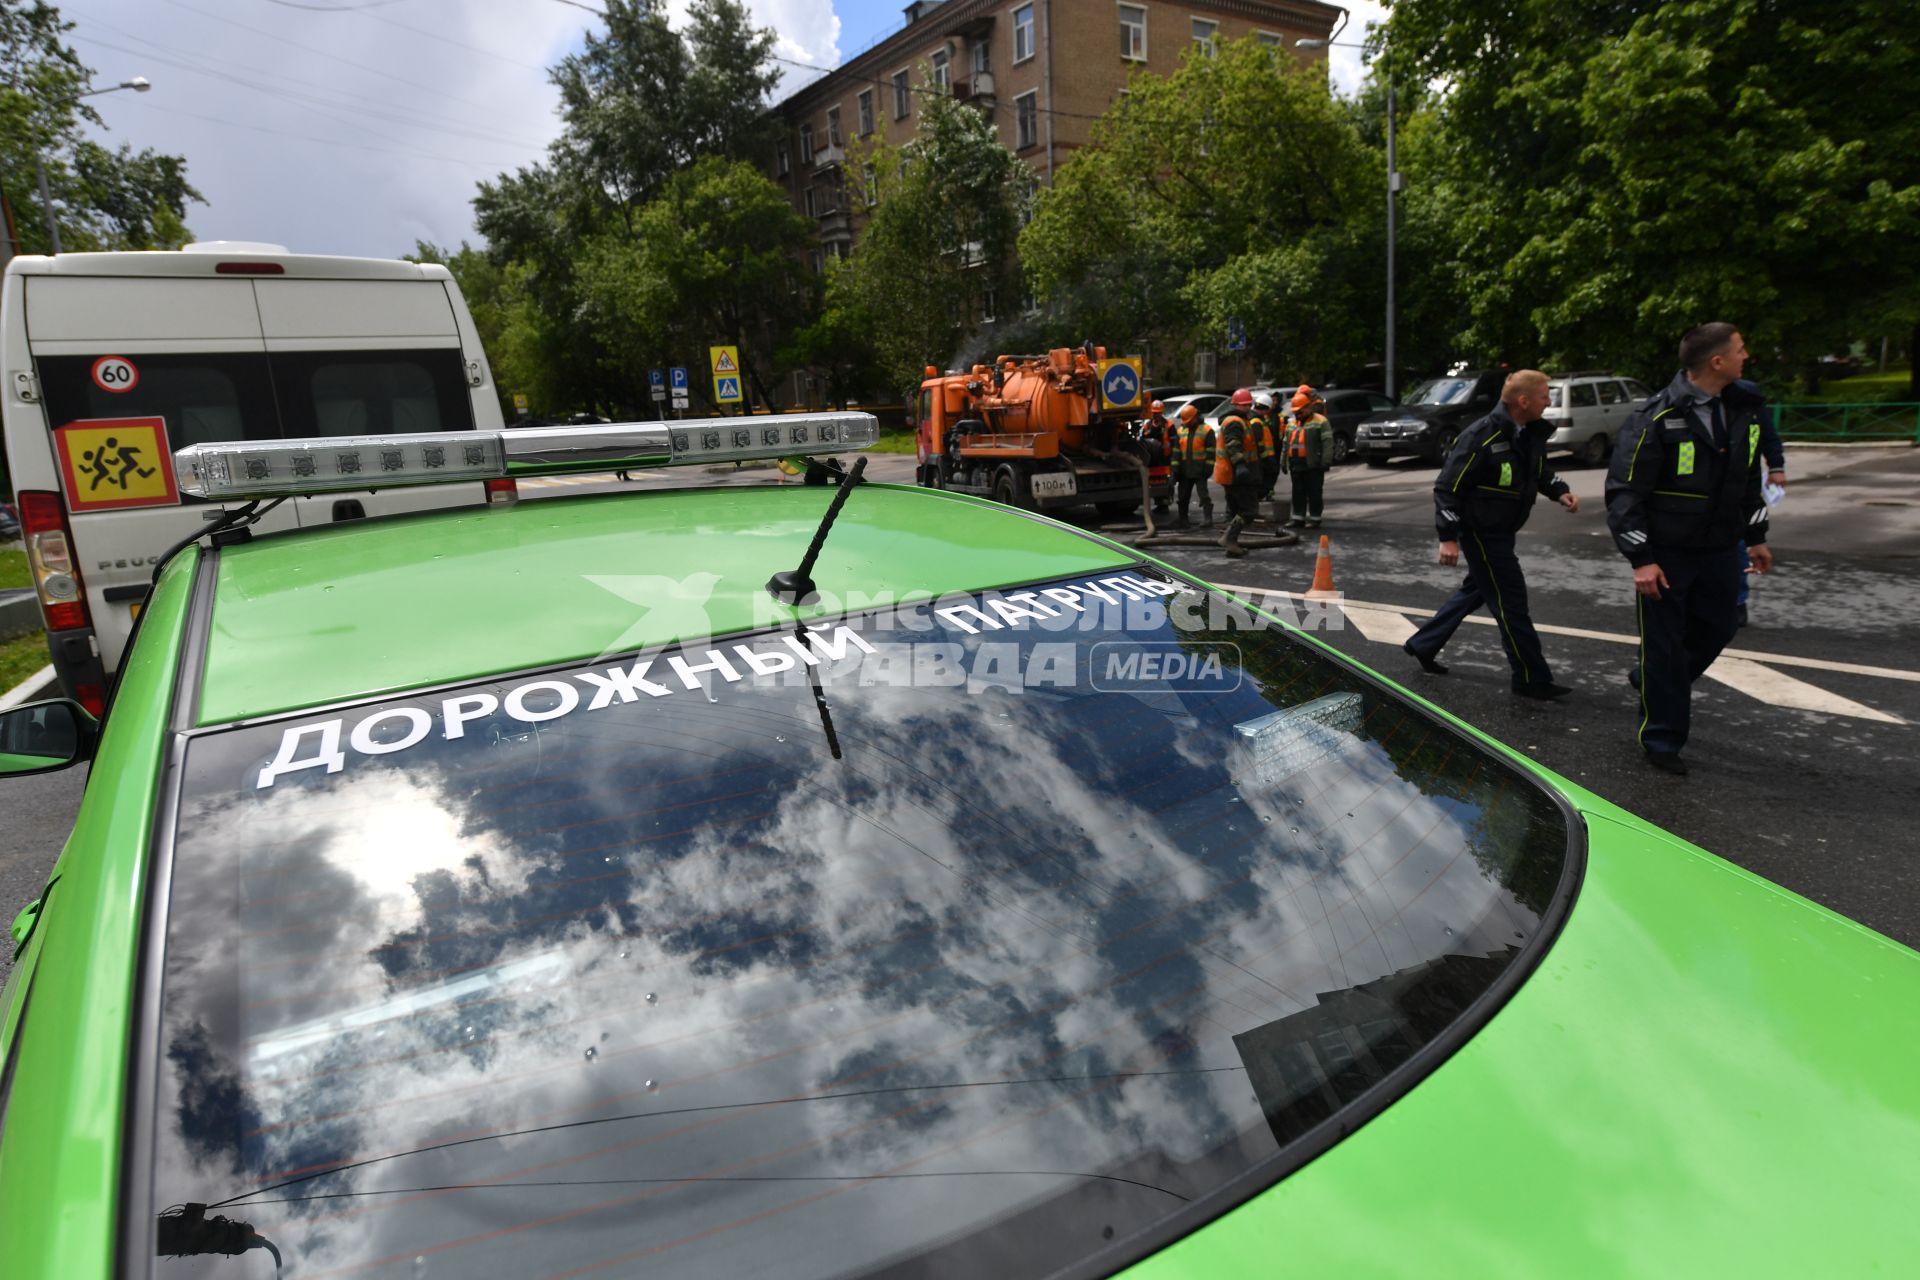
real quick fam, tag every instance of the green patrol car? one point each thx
(720, 882)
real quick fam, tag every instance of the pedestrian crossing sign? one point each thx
(109, 463)
(726, 373)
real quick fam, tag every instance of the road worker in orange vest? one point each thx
(1193, 464)
(1267, 432)
(1237, 469)
(1309, 453)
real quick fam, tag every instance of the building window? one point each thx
(940, 60)
(1133, 32)
(982, 56)
(806, 144)
(812, 202)
(833, 127)
(866, 112)
(1026, 120)
(1271, 39)
(819, 260)
(783, 160)
(989, 303)
(1023, 33)
(873, 187)
(1029, 305)
(1204, 31)
(902, 96)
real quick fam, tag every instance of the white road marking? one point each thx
(1380, 625)
(1778, 689)
(1738, 669)
(1581, 633)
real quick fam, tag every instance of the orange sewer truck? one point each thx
(1039, 432)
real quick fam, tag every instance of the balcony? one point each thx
(976, 88)
(829, 156)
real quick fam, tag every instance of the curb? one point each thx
(26, 689)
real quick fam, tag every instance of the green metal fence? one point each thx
(1843, 422)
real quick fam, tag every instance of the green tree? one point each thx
(1613, 172)
(1237, 187)
(716, 257)
(940, 239)
(103, 199)
(640, 105)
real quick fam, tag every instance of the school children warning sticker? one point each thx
(115, 374)
(110, 463)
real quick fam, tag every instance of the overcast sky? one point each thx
(361, 126)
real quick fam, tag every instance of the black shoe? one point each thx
(1668, 762)
(1633, 678)
(1296, 524)
(1542, 692)
(1740, 617)
(1183, 523)
(1313, 524)
(1427, 664)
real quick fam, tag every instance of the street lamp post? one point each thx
(1393, 189)
(139, 84)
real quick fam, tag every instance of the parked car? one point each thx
(1587, 410)
(9, 522)
(1346, 410)
(1425, 424)
(1207, 403)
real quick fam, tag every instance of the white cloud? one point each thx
(358, 131)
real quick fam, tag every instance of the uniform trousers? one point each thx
(1187, 485)
(1243, 501)
(1681, 634)
(1493, 579)
(1309, 484)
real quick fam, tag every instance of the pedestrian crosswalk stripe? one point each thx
(1776, 688)
(1744, 670)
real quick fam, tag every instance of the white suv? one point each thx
(1587, 410)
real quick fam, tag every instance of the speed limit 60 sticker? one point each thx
(115, 373)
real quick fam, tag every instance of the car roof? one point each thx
(557, 580)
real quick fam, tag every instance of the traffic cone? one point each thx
(1322, 588)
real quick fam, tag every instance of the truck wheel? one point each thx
(1010, 489)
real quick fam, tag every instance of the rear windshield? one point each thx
(267, 396)
(972, 937)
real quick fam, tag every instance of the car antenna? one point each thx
(795, 586)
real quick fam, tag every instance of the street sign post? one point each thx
(657, 383)
(726, 374)
(1120, 383)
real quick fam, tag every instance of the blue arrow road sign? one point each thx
(1120, 386)
(1236, 334)
(679, 377)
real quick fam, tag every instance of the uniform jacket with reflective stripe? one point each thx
(1670, 488)
(1491, 475)
(1196, 450)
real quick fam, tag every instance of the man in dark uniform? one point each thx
(1483, 495)
(1239, 470)
(1682, 494)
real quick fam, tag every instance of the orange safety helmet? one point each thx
(1188, 413)
(1242, 398)
(1305, 396)
(1158, 407)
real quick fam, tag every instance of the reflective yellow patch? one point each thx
(1506, 473)
(1685, 466)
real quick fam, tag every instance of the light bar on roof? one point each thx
(279, 468)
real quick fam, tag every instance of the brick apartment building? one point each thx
(1042, 68)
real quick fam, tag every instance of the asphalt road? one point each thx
(1802, 772)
